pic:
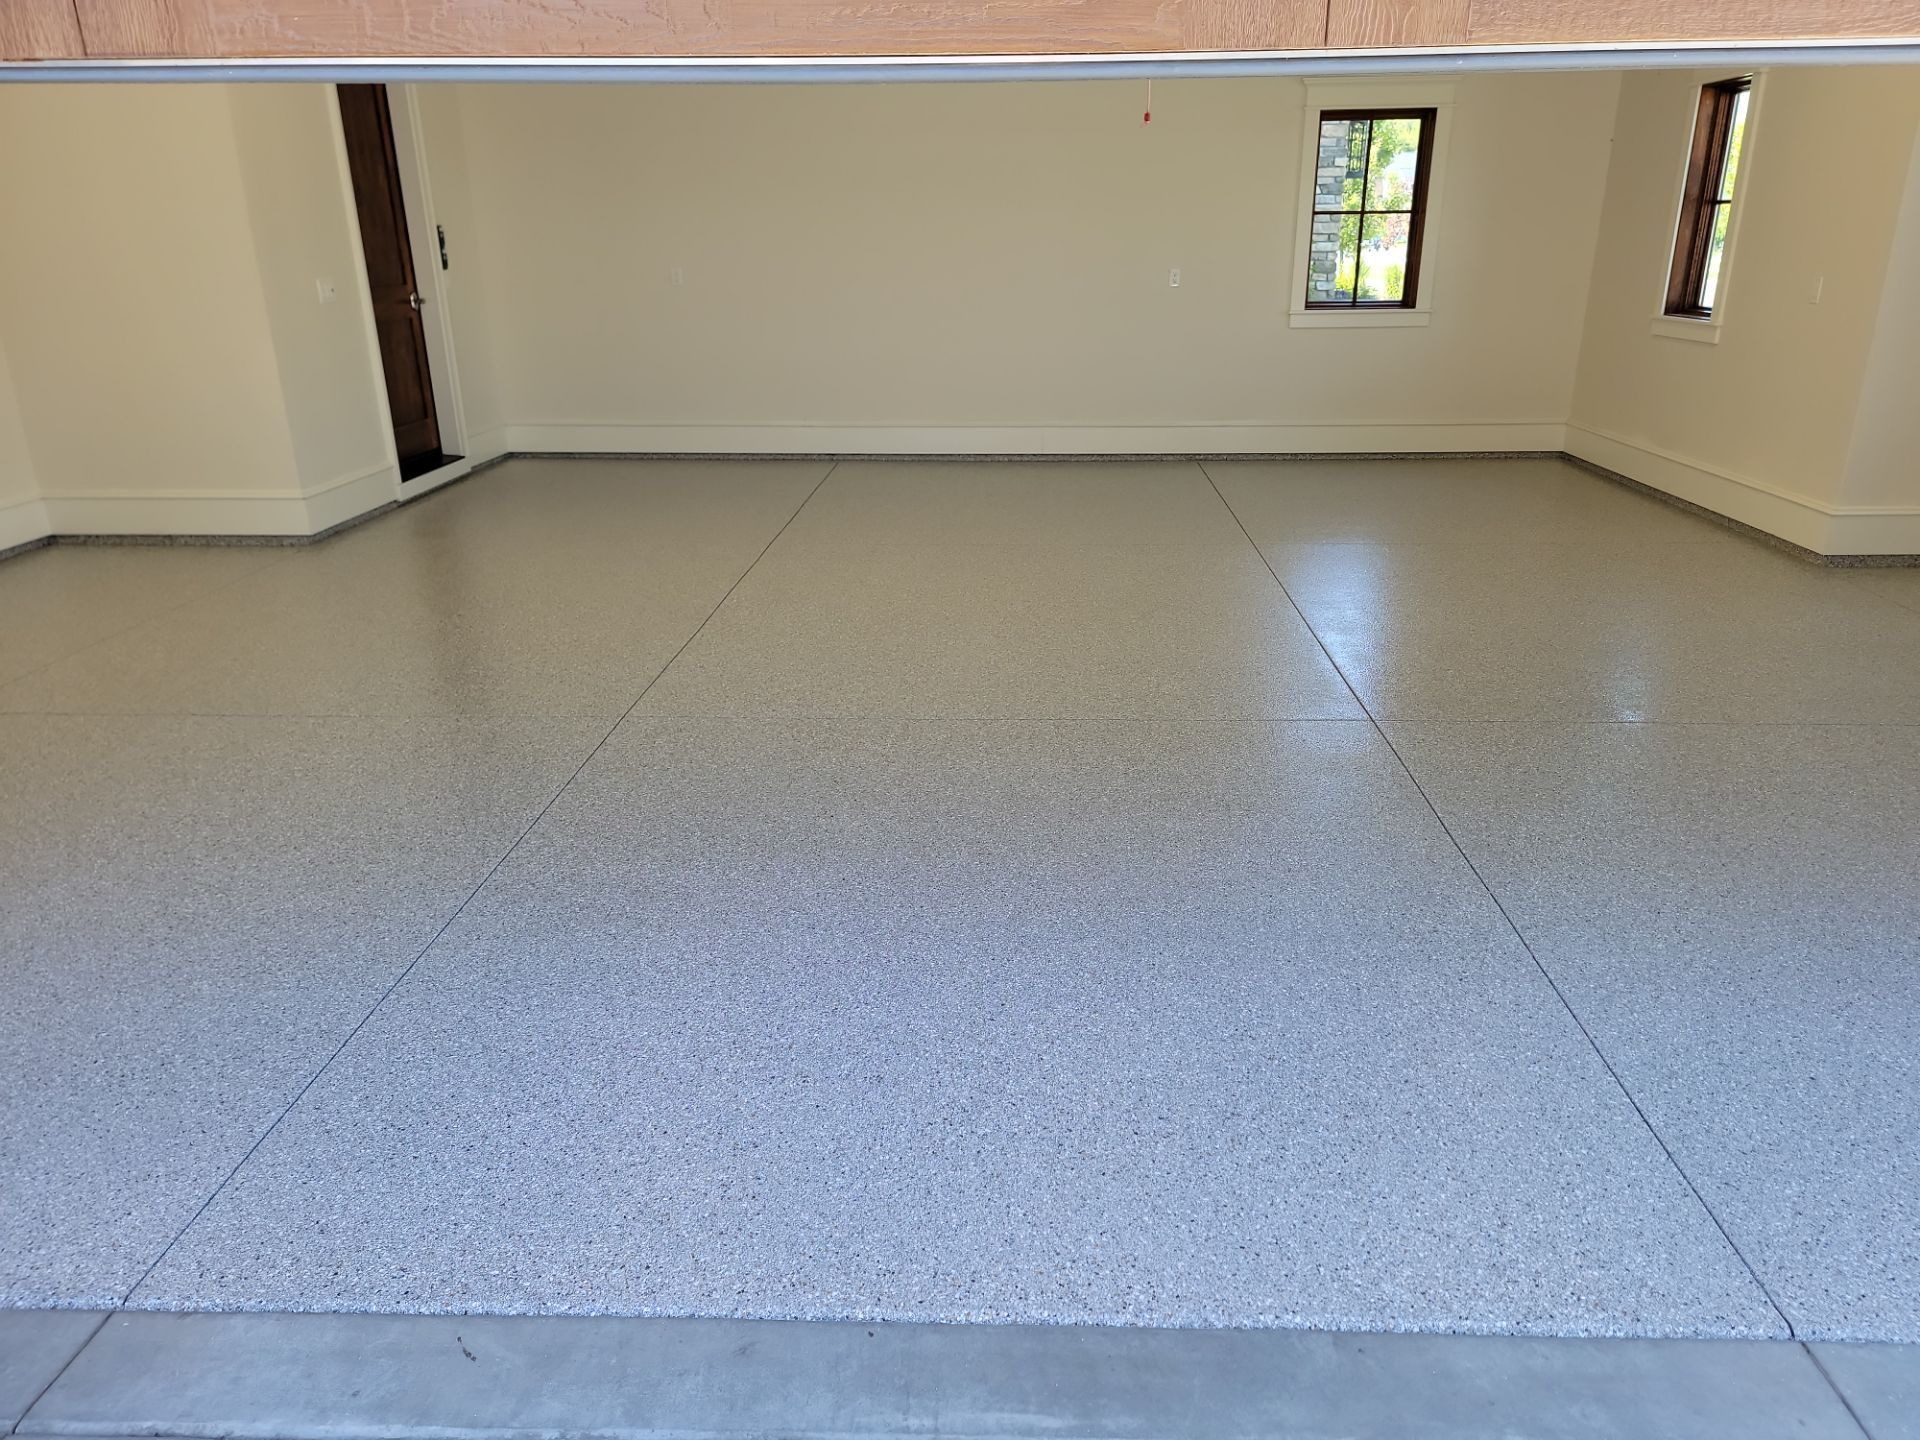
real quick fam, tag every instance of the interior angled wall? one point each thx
(1883, 465)
(1760, 426)
(23, 517)
(174, 370)
(298, 195)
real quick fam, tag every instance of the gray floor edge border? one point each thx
(27, 545)
(1012, 457)
(329, 1376)
(222, 541)
(1812, 557)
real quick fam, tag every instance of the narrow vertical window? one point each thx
(1700, 243)
(1369, 207)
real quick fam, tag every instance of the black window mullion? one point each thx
(1360, 224)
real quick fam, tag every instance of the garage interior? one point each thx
(936, 744)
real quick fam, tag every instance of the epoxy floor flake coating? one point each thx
(999, 902)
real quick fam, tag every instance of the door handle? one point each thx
(415, 301)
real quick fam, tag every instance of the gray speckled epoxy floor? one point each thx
(997, 902)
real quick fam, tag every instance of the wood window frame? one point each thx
(1429, 118)
(1701, 201)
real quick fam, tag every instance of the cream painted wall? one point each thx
(989, 265)
(16, 459)
(945, 268)
(1883, 466)
(1759, 426)
(174, 369)
(469, 315)
(129, 294)
(299, 202)
(22, 517)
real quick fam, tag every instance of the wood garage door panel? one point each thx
(234, 29)
(38, 30)
(1353, 24)
(144, 27)
(237, 28)
(1249, 24)
(1499, 22)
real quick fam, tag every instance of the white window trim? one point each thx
(1372, 95)
(1706, 330)
(1702, 329)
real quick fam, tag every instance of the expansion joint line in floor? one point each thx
(1834, 1385)
(1525, 944)
(41, 1393)
(461, 908)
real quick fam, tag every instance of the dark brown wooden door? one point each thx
(396, 295)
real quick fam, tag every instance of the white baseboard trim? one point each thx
(1314, 438)
(22, 522)
(487, 445)
(1860, 530)
(222, 512)
(351, 496)
(1800, 519)
(179, 513)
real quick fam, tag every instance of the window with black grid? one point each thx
(1369, 208)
